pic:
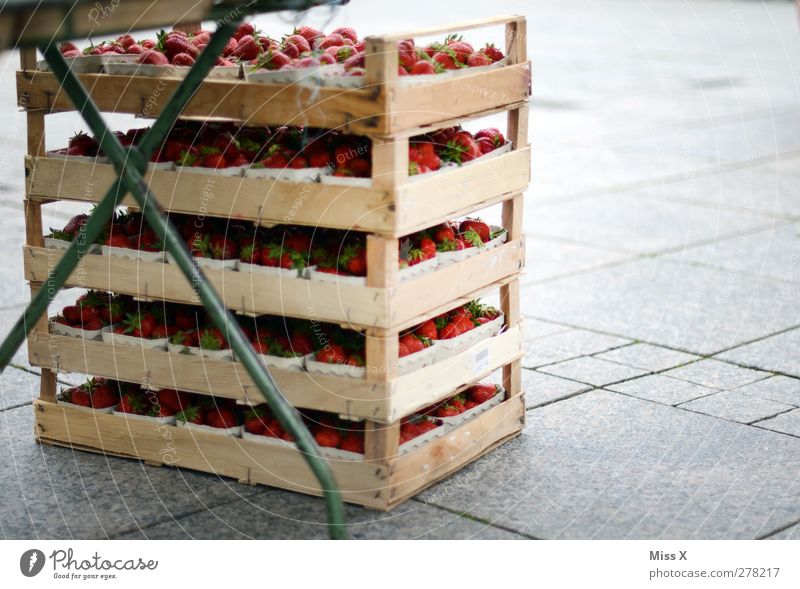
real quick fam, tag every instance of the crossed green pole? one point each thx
(130, 165)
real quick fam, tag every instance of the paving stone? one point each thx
(17, 387)
(625, 223)
(715, 374)
(647, 357)
(603, 465)
(51, 492)
(567, 344)
(777, 353)
(593, 371)
(736, 406)
(549, 259)
(772, 188)
(762, 253)
(536, 328)
(662, 389)
(691, 308)
(787, 423)
(782, 389)
(543, 388)
(274, 514)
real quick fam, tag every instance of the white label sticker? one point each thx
(480, 360)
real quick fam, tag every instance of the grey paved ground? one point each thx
(662, 372)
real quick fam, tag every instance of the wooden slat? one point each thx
(247, 461)
(381, 441)
(380, 61)
(420, 468)
(351, 110)
(400, 212)
(469, 94)
(243, 292)
(434, 383)
(395, 308)
(517, 40)
(356, 398)
(455, 27)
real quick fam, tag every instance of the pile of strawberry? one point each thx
(328, 430)
(163, 403)
(463, 319)
(97, 393)
(415, 426)
(284, 338)
(453, 236)
(451, 54)
(95, 310)
(341, 346)
(210, 411)
(464, 401)
(417, 338)
(128, 230)
(455, 145)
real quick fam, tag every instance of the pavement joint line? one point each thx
(760, 419)
(11, 407)
(778, 530)
(590, 389)
(676, 406)
(475, 518)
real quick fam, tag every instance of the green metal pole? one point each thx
(131, 178)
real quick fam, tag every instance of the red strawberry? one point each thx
(308, 33)
(428, 247)
(93, 325)
(243, 29)
(222, 248)
(193, 414)
(300, 343)
(422, 68)
(446, 60)
(332, 354)
(152, 57)
(328, 437)
(72, 313)
(220, 417)
(126, 40)
(246, 49)
(402, 350)
(79, 396)
(135, 49)
(131, 403)
(353, 442)
(427, 330)
(480, 393)
(461, 148)
(485, 145)
(478, 226)
(478, 60)
(492, 133)
(443, 233)
(346, 32)
(174, 399)
(461, 50)
(412, 343)
(450, 330)
(448, 410)
(332, 40)
(176, 44)
(117, 240)
(493, 52)
(211, 338)
(354, 260)
(103, 396)
(183, 60)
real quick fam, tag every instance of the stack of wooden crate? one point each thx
(388, 207)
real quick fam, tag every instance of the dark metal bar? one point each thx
(130, 177)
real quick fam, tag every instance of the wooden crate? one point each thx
(392, 205)
(385, 106)
(376, 484)
(392, 210)
(380, 401)
(397, 307)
